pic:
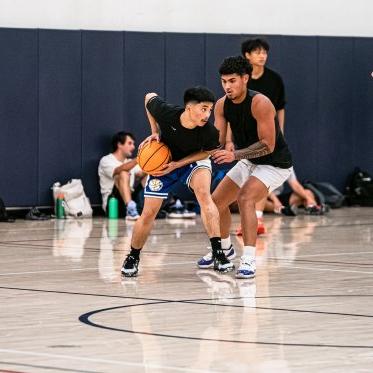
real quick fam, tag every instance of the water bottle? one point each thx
(113, 208)
(60, 209)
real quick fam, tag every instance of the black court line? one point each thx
(204, 300)
(186, 300)
(46, 367)
(85, 318)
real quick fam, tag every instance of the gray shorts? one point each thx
(272, 177)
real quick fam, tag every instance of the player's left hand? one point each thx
(223, 156)
(166, 169)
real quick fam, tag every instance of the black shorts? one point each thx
(121, 205)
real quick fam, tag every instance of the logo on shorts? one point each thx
(155, 185)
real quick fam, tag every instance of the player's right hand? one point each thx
(150, 138)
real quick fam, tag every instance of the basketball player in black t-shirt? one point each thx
(264, 158)
(191, 139)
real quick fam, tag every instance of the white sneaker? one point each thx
(247, 268)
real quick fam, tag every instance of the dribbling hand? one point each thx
(149, 139)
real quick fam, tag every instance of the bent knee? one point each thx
(245, 198)
(220, 203)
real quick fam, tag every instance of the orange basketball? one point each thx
(153, 156)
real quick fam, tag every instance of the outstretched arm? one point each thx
(153, 123)
(169, 167)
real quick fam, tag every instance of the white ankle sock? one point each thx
(226, 243)
(249, 251)
(259, 214)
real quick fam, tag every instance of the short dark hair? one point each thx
(251, 44)
(198, 94)
(235, 65)
(120, 137)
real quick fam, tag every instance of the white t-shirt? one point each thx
(106, 168)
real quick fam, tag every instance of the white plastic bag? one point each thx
(76, 203)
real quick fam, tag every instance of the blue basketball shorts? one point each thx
(160, 186)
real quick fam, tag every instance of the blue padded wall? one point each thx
(19, 116)
(102, 101)
(361, 81)
(60, 135)
(185, 64)
(299, 72)
(334, 131)
(144, 72)
(64, 93)
(276, 52)
(217, 48)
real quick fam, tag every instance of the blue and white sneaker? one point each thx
(208, 262)
(247, 268)
(132, 213)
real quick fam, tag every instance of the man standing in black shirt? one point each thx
(191, 139)
(263, 79)
(263, 155)
(270, 84)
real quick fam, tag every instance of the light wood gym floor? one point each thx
(65, 308)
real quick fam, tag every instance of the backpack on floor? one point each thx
(359, 188)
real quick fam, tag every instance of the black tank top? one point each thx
(245, 133)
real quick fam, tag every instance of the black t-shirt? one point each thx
(270, 84)
(181, 141)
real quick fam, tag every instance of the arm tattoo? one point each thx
(259, 149)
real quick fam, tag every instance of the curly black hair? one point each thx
(235, 65)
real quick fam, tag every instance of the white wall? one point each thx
(287, 17)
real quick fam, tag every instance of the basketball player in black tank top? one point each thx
(264, 158)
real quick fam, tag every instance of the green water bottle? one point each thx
(60, 209)
(113, 208)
